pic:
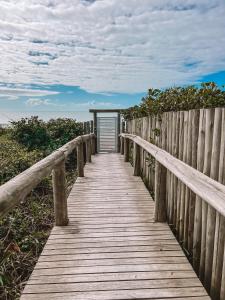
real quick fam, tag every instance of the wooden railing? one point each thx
(205, 188)
(16, 189)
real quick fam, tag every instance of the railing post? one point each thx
(80, 160)
(95, 131)
(84, 152)
(126, 149)
(137, 156)
(121, 145)
(93, 147)
(118, 131)
(160, 193)
(88, 150)
(59, 194)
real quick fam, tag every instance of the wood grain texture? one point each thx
(112, 249)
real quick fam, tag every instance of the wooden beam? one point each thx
(80, 160)
(160, 193)
(118, 132)
(59, 194)
(137, 160)
(208, 189)
(106, 110)
(126, 149)
(95, 130)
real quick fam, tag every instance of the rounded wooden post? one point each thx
(93, 147)
(137, 160)
(126, 149)
(121, 145)
(95, 130)
(160, 193)
(118, 133)
(84, 152)
(92, 126)
(59, 194)
(80, 160)
(88, 150)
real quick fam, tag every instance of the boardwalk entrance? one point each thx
(112, 249)
(107, 133)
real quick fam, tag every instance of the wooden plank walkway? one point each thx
(112, 249)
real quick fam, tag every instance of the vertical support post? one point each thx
(160, 193)
(95, 130)
(59, 194)
(93, 141)
(80, 160)
(118, 132)
(84, 128)
(126, 149)
(92, 126)
(123, 127)
(84, 152)
(121, 145)
(137, 160)
(88, 150)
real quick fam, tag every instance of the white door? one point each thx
(107, 134)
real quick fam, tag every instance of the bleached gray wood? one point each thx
(59, 194)
(206, 170)
(210, 190)
(218, 274)
(160, 193)
(112, 249)
(16, 189)
(126, 150)
(137, 158)
(211, 213)
(198, 200)
(80, 160)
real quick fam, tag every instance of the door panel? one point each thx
(107, 134)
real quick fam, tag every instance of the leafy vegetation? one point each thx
(25, 230)
(208, 95)
(34, 133)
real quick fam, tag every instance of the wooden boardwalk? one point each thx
(111, 248)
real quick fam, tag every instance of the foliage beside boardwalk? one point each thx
(208, 95)
(25, 230)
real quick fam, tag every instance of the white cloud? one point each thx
(41, 102)
(94, 103)
(14, 93)
(111, 45)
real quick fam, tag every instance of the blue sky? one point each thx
(61, 58)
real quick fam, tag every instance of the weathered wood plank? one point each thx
(112, 249)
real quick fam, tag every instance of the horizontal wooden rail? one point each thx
(203, 186)
(16, 189)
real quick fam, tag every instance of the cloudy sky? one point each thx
(62, 57)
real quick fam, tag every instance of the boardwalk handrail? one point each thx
(16, 189)
(206, 188)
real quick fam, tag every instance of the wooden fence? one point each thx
(16, 189)
(88, 127)
(196, 137)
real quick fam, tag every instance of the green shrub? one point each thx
(24, 231)
(31, 132)
(208, 95)
(15, 158)
(63, 130)
(35, 134)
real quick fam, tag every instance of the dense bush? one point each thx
(24, 231)
(31, 132)
(62, 131)
(15, 158)
(34, 133)
(208, 95)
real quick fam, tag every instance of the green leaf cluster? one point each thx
(208, 95)
(35, 134)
